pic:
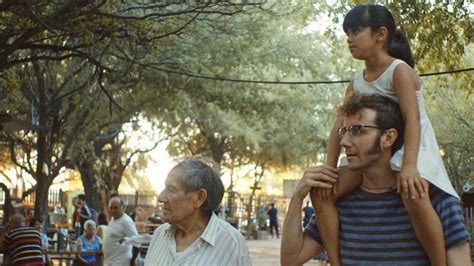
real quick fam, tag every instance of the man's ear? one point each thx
(389, 138)
(201, 198)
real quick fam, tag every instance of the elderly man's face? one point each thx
(364, 149)
(115, 208)
(177, 204)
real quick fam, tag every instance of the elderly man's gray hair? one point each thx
(203, 173)
(17, 219)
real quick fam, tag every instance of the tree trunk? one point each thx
(7, 206)
(89, 182)
(249, 209)
(217, 147)
(41, 197)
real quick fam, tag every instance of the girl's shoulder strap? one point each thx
(395, 63)
(391, 68)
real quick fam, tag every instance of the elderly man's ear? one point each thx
(389, 137)
(201, 198)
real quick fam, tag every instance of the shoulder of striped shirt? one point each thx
(230, 230)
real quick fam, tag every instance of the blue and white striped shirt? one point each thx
(376, 228)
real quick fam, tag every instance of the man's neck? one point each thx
(190, 230)
(379, 179)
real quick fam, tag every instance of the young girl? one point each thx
(373, 37)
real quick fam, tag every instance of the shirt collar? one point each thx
(209, 235)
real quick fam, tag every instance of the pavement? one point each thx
(267, 252)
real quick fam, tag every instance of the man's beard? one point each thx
(375, 149)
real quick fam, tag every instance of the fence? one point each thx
(55, 198)
(235, 206)
(140, 200)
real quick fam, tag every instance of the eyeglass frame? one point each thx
(358, 130)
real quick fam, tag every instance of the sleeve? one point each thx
(242, 252)
(313, 231)
(131, 229)
(245, 260)
(7, 241)
(44, 240)
(85, 212)
(450, 212)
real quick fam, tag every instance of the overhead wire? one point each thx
(201, 76)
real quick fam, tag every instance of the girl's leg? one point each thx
(326, 212)
(427, 226)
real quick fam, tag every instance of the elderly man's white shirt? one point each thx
(219, 244)
(114, 252)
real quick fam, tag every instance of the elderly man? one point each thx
(193, 234)
(121, 226)
(22, 243)
(375, 228)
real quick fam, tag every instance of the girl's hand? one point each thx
(409, 183)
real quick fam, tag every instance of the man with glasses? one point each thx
(375, 228)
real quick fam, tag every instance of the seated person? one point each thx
(37, 224)
(89, 241)
(22, 243)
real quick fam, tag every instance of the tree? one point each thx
(72, 51)
(438, 32)
(449, 103)
(57, 114)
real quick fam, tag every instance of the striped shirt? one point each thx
(24, 245)
(219, 244)
(375, 229)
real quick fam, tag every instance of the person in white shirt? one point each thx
(120, 226)
(193, 234)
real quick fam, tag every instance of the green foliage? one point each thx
(106, 63)
(438, 31)
(450, 110)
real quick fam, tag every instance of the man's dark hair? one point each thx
(82, 197)
(388, 113)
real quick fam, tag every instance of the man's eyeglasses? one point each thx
(354, 130)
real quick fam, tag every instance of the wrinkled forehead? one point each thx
(364, 116)
(174, 177)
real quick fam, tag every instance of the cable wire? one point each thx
(200, 76)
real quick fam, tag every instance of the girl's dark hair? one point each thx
(376, 16)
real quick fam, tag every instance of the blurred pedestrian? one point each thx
(84, 212)
(273, 217)
(307, 214)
